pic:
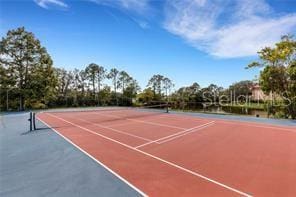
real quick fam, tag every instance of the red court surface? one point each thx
(179, 155)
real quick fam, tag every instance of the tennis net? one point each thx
(105, 114)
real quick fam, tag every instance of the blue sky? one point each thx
(204, 41)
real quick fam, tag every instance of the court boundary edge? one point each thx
(97, 161)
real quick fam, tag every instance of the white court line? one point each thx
(141, 121)
(178, 133)
(238, 122)
(115, 130)
(157, 158)
(169, 139)
(100, 163)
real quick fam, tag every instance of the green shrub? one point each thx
(38, 105)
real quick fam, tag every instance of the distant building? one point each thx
(258, 94)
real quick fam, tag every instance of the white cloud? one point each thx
(131, 5)
(249, 36)
(45, 3)
(224, 29)
(134, 9)
(248, 8)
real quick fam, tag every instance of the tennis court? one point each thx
(167, 154)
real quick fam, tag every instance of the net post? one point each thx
(34, 121)
(30, 120)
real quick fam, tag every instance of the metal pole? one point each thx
(34, 121)
(7, 100)
(21, 108)
(30, 120)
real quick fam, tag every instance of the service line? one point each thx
(175, 135)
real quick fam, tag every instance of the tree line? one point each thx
(28, 80)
